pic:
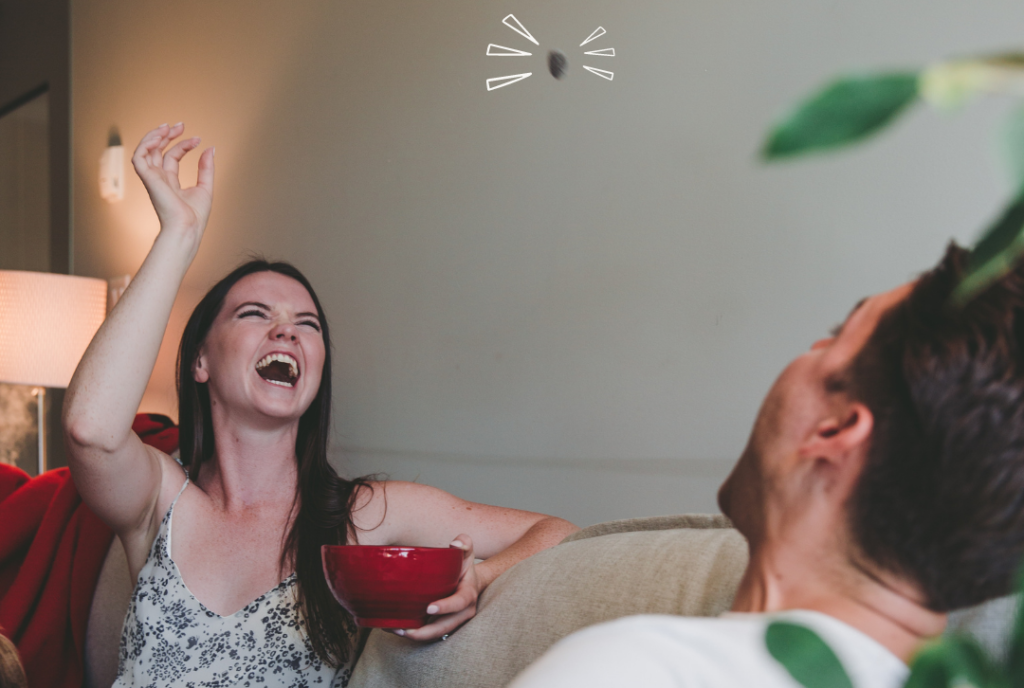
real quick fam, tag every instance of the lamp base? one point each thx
(40, 394)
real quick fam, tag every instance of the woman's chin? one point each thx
(282, 410)
(284, 404)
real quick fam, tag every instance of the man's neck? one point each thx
(880, 606)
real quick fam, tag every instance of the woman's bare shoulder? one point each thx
(172, 480)
(138, 540)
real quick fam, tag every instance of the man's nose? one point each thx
(822, 343)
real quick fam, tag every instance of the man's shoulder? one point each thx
(675, 651)
(737, 631)
(732, 628)
(661, 651)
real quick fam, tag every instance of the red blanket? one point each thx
(51, 550)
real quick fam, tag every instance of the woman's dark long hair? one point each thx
(325, 500)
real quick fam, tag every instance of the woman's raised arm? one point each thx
(118, 476)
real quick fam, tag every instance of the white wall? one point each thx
(567, 296)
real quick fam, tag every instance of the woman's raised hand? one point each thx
(180, 210)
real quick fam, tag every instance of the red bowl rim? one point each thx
(390, 548)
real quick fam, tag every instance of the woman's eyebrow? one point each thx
(307, 314)
(251, 303)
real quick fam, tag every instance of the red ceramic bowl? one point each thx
(390, 587)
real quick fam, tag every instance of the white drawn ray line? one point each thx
(607, 52)
(509, 80)
(509, 52)
(603, 73)
(519, 29)
(598, 32)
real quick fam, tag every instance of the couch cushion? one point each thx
(106, 618)
(687, 565)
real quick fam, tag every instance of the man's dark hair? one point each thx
(941, 497)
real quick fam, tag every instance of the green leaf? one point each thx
(929, 670)
(956, 662)
(1012, 137)
(995, 254)
(845, 111)
(806, 657)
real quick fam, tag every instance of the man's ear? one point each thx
(845, 431)
(200, 373)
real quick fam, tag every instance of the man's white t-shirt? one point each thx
(660, 651)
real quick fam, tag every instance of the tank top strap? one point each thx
(165, 525)
(183, 486)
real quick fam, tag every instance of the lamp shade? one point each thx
(46, 323)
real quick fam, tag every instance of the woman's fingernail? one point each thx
(432, 609)
(457, 543)
(399, 631)
(178, 124)
(162, 125)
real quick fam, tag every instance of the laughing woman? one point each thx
(238, 596)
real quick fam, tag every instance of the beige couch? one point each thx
(687, 565)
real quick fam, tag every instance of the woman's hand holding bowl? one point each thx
(456, 609)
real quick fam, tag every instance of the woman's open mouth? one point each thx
(278, 369)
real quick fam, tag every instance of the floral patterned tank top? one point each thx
(170, 639)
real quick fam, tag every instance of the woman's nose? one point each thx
(285, 331)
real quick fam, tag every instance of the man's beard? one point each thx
(742, 495)
(742, 498)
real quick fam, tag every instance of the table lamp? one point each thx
(46, 323)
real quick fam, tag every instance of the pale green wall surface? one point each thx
(567, 295)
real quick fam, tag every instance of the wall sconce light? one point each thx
(112, 169)
(46, 323)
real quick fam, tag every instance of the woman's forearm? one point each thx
(111, 378)
(545, 533)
